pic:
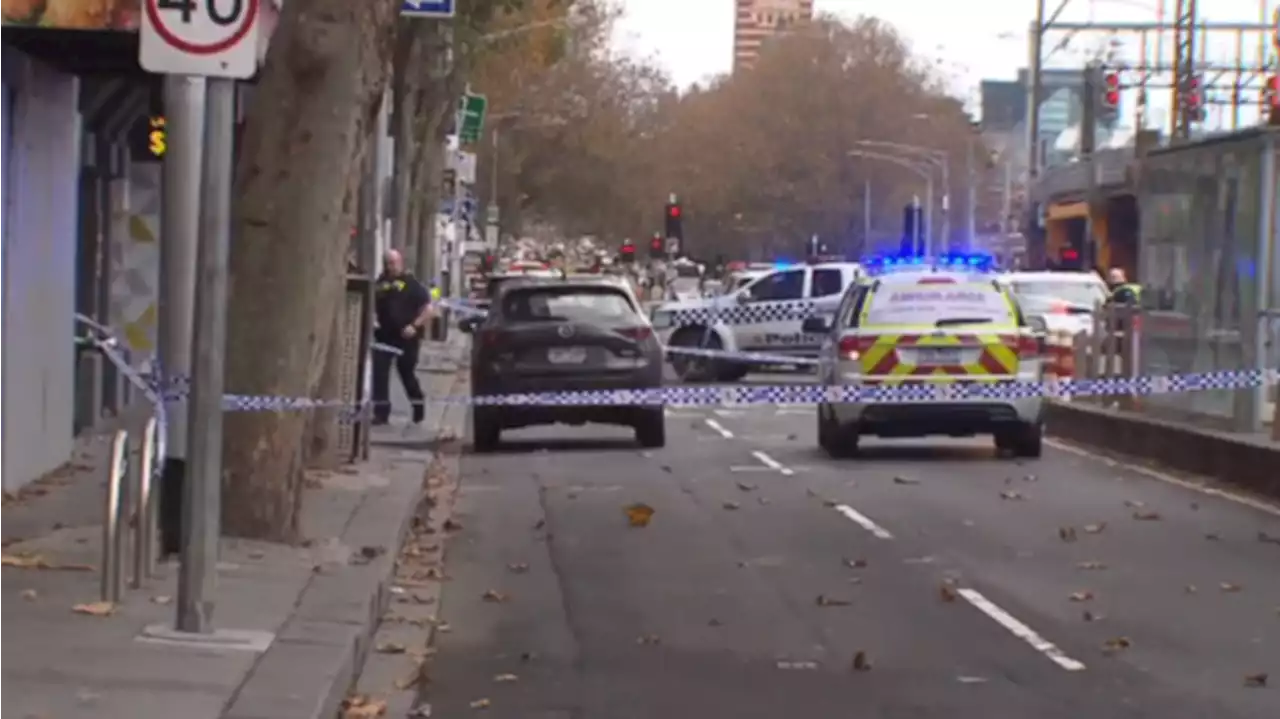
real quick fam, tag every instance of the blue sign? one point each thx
(427, 8)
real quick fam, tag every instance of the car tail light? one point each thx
(639, 334)
(936, 281)
(851, 347)
(1029, 347)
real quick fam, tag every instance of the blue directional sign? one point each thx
(428, 8)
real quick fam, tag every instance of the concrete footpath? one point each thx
(65, 655)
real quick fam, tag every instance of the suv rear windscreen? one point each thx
(604, 305)
(937, 306)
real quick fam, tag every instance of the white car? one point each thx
(941, 331)
(763, 316)
(1066, 300)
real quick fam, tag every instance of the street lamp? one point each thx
(922, 169)
(936, 158)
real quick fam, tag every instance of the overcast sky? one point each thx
(692, 39)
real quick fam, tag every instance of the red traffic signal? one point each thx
(673, 211)
(1111, 89)
(656, 244)
(1272, 93)
(628, 249)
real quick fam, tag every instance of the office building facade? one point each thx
(755, 21)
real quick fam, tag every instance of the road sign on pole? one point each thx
(471, 122)
(427, 8)
(214, 38)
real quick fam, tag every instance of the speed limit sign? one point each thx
(214, 38)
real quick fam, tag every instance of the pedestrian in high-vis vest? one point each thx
(1123, 292)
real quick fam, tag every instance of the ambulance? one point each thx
(931, 324)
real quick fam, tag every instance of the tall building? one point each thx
(1004, 108)
(758, 20)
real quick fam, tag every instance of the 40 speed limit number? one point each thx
(215, 38)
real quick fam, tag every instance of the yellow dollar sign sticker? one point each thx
(157, 144)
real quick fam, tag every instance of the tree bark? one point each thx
(322, 432)
(320, 88)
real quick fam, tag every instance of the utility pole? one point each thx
(184, 107)
(1090, 87)
(1035, 90)
(971, 213)
(866, 216)
(1184, 60)
(202, 498)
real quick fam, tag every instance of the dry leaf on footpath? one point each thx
(1030, 478)
(639, 514)
(731, 506)
(1011, 495)
(30, 594)
(1067, 534)
(362, 706)
(1212, 536)
(1098, 528)
(517, 567)
(162, 600)
(1147, 515)
(667, 468)
(539, 524)
(1229, 588)
(95, 609)
(390, 648)
(823, 600)
(1089, 616)
(1190, 589)
(1116, 645)
(860, 662)
(481, 704)
(504, 678)
(1091, 565)
(904, 480)
(494, 596)
(1134, 504)
(451, 525)
(36, 561)
(1256, 681)
(1081, 596)
(422, 711)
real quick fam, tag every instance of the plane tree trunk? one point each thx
(306, 131)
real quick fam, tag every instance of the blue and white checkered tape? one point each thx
(711, 395)
(754, 313)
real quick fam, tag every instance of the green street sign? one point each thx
(473, 109)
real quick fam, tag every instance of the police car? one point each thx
(932, 325)
(763, 316)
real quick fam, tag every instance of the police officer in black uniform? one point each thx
(403, 309)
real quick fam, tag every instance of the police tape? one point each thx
(465, 309)
(942, 389)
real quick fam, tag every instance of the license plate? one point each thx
(938, 356)
(567, 355)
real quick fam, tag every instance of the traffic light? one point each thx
(487, 263)
(912, 229)
(657, 247)
(673, 221)
(1110, 91)
(1192, 98)
(628, 252)
(1271, 96)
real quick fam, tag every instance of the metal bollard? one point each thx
(144, 509)
(112, 539)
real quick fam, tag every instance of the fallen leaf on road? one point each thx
(390, 648)
(747, 487)
(638, 515)
(713, 622)
(855, 563)
(904, 480)
(1116, 645)
(539, 524)
(517, 567)
(481, 704)
(731, 505)
(947, 592)
(1212, 536)
(763, 500)
(1098, 528)
(1229, 587)
(1011, 495)
(502, 678)
(860, 662)
(36, 561)
(1134, 504)
(823, 600)
(829, 503)
(920, 560)
(791, 438)
(528, 656)
(1067, 534)
(410, 680)
(494, 596)
(1089, 616)
(1091, 565)
(1147, 515)
(162, 600)
(95, 609)
(361, 706)
(422, 711)
(667, 468)
(1082, 596)
(1190, 589)
(30, 595)
(1030, 478)
(648, 639)
(1267, 538)
(1256, 681)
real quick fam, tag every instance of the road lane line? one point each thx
(863, 521)
(719, 428)
(1247, 501)
(772, 463)
(1020, 630)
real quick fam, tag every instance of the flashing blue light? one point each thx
(954, 261)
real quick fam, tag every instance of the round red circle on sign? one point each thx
(171, 39)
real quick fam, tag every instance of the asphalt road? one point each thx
(974, 587)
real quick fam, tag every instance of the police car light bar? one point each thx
(955, 262)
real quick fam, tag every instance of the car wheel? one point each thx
(733, 373)
(651, 428)
(693, 368)
(486, 433)
(1029, 442)
(838, 442)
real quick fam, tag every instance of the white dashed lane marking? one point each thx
(772, 463)
(1020, 630)
(719, 428)
(863, 521)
